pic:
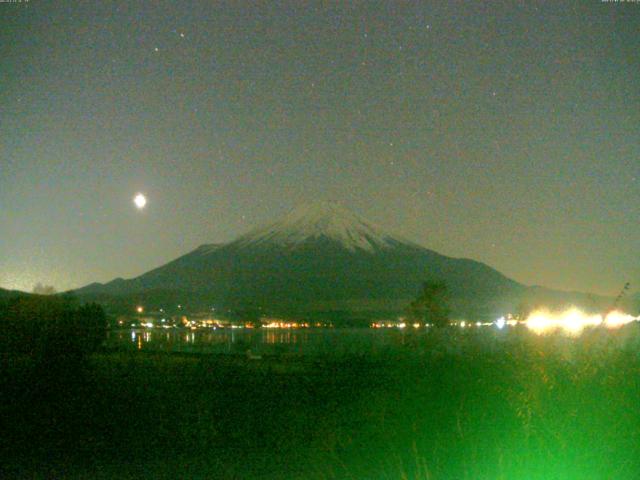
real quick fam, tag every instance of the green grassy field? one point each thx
(449, 405)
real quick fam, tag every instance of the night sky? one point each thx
(506, 132)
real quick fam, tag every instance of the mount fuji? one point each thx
(319, 260)
(322, 220)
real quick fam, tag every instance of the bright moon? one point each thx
(140, 200)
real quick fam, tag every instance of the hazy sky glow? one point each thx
(507, 132)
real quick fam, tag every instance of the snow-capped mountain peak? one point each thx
(321, 220)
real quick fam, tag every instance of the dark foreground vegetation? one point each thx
(51, 329)
(450, 405)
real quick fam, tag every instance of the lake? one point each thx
(261, 341)
(348, 341)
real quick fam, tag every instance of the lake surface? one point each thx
(261, 341)
(345, 341)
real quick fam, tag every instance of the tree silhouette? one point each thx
(431, 305)
(523, 310)
(41, 289)
(51, 327)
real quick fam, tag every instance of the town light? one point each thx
(573, 321)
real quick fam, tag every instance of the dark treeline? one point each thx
(47, 327)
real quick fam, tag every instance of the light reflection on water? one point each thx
(258, 341)
(344, 341)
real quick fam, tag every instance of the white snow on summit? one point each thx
(317, 220)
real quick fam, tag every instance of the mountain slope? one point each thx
(318, 258)
(6, 294)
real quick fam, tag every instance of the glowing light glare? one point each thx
(501, 322)
(617, 319)
(140, 200)
(574, 321)
(139, 309)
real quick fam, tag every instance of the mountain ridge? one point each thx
(319, 257)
